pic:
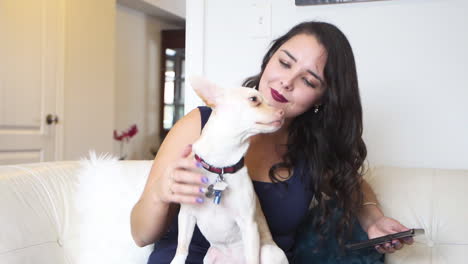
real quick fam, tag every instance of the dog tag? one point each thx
(220, 186)
(217, 198)
(209, 191)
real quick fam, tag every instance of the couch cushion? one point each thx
(433, 199)
(70, 212)
(34, 208)
(46, 253)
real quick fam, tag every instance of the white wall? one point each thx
(138, 44)
(411, 55)
(176, 7)
(88, 77)
(171, 11)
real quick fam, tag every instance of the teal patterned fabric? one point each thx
(309, 250)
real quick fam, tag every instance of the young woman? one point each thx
(318, 153)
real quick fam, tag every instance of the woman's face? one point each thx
(293, 78)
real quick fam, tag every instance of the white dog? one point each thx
(230, 218)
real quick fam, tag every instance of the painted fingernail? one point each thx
(199, 200)
(408, 239)
(198, 164)
(202, 190)
(204, 180)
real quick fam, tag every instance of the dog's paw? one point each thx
(270, 254)
(178, 259)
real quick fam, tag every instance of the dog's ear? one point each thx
(208, 91)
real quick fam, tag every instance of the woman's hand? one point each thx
(386, 226)
(182, 182)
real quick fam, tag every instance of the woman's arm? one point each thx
(174, 178)
(376, 224)
(370, 212)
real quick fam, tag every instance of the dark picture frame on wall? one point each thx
(326, 2)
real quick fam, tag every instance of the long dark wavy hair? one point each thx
(329, 141)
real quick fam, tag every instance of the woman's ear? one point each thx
(208, 91)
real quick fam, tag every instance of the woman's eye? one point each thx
(310, 84)
(284, 64)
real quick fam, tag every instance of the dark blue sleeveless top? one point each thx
(284, 205)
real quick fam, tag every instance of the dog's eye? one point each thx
(254, 100)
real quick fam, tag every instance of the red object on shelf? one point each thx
(126, 135)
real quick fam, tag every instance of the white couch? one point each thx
(47, 216)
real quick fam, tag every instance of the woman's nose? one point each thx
(286, 83)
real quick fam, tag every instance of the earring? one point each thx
(316, 109)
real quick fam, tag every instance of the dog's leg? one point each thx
(264, 231)
(186, 226)
(250, 238)
(212, 256)
(270, 253)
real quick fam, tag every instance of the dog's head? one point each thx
(244, 107)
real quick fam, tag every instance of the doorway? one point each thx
(172, 78)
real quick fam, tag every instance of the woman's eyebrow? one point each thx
(289, 55)
(315, 75)
(309, 71)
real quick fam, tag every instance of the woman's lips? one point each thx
(277, 96)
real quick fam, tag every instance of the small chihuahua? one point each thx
(230, 218)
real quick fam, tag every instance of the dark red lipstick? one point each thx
(277, 96)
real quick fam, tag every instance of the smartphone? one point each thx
(384, 239)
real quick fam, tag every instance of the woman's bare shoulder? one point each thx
(185, 131)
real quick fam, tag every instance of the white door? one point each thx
(30, 74)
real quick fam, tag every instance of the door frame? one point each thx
(60, 82)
